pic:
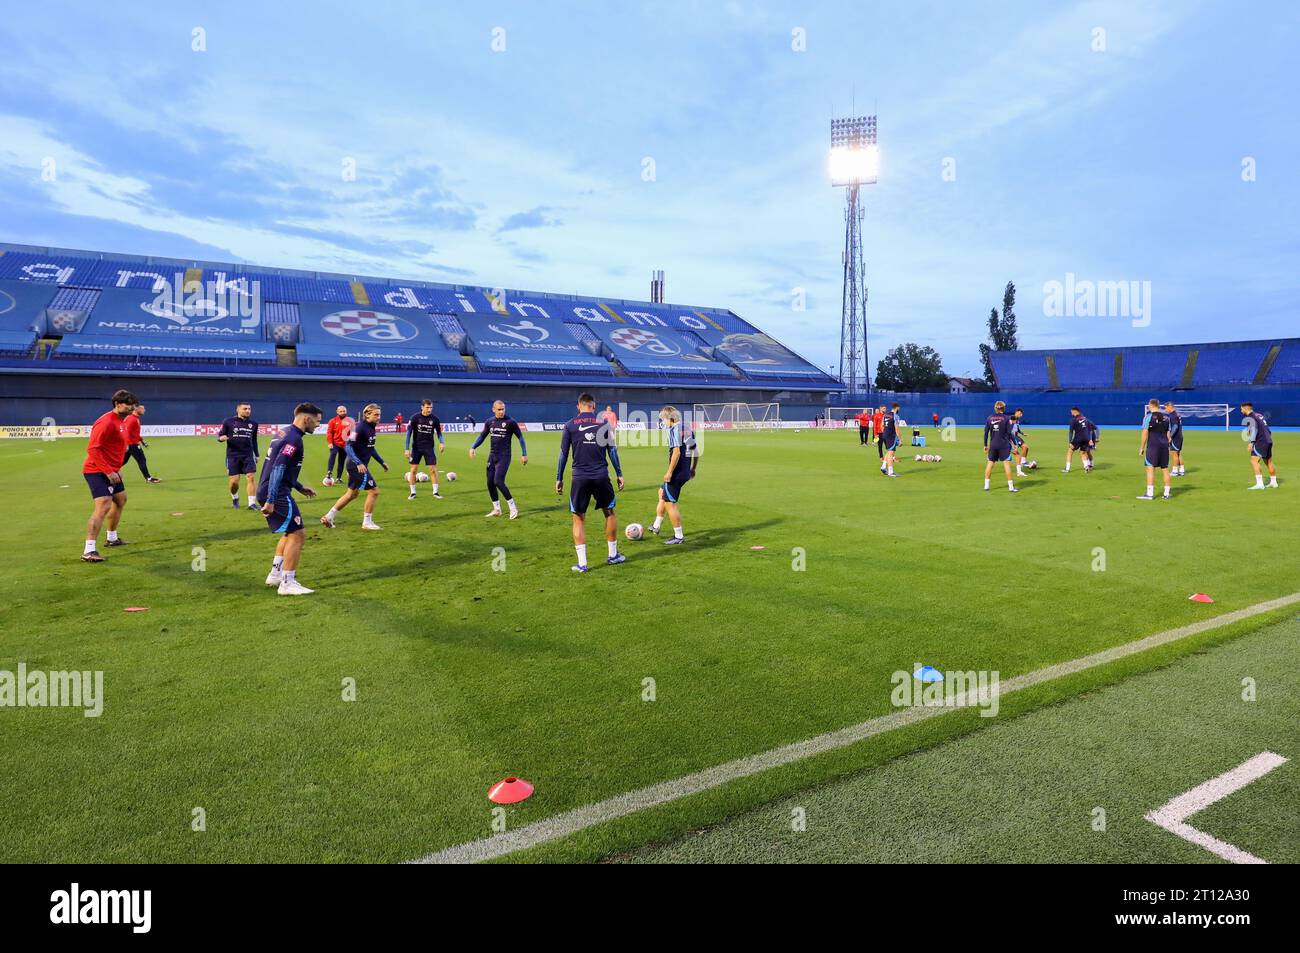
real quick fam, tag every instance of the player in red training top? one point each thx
(102, 470)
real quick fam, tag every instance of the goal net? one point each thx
(843, 416)
(1205, 412)
(736, 416)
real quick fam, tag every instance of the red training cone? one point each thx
(1199, 597)
(510, 791)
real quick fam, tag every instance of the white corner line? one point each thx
(1172, 816)
(630, 802)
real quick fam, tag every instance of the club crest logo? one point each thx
(376, 327)
(639, 339)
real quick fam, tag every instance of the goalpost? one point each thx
(1216, 411)
(737, 416)
(842, 415)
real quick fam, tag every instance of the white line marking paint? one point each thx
(621, 805)
(1173, 815)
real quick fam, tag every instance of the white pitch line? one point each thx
(1173, 815)
(621, 805)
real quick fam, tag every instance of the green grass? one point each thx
(226, 697)
(1025, 789)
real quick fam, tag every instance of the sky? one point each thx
(576, 147)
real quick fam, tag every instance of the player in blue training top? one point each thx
(1256, 430)
(683, 458)
(1175, 440)
(1083, 438)
(423, 431)
(1154, 447)
(591, 441)
(889, 440)
(1019, 445)
(280, 475)
(997, 444)
(360, 448)
(239, 434)
(499, 429)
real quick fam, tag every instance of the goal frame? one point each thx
(737, 415)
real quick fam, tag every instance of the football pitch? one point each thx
(366, 722)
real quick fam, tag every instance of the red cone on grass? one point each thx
(510, 791)
(1199, 597)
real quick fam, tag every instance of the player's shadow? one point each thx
(705, 539)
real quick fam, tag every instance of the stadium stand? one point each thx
(131, 312)
(1180, 367)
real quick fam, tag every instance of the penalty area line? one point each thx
(1173, 814)
(621, 805)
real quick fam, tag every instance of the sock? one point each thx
(1010, 485)
(112, 534)
(235, 496)
(891, 471)
(90, 546)
(1067, 468)
(435, 488)
(252, 501)
(677, 531)
(367, 519)
(613, 547)
(1151, 490)
(659, 521)
(986, 484)
(582, 553)
(1166, 493)
(277, 563)
(290, 574)
(1272, 481)
(332, 513)
(511, 503)
(1259, 481)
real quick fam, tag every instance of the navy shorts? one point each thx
(100, 485)
(673, 491)
(894, 445)
(287, 518)
(1017, 441)
(999, 452)
(240, 463)
(1176, 446)
(1080, 445)
(1158, 456)
(497, 468)
(1262, 450)
(428, 456)
(584, 491)
(361, 481)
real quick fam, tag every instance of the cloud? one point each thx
(534, 218)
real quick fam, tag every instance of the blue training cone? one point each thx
(928, 673)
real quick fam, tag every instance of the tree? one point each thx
(1003, 332)
(911, 367)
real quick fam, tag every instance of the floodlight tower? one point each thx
(854, 162)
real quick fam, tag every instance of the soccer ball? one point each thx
(451, 476)
(938, 458)
(328, 481)
(422, 477)
(634, 531)
(1032, 464)
(918, 458)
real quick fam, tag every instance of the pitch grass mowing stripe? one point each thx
(570, 822)
(1173, 815)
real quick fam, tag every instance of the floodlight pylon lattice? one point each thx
(854, 162)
